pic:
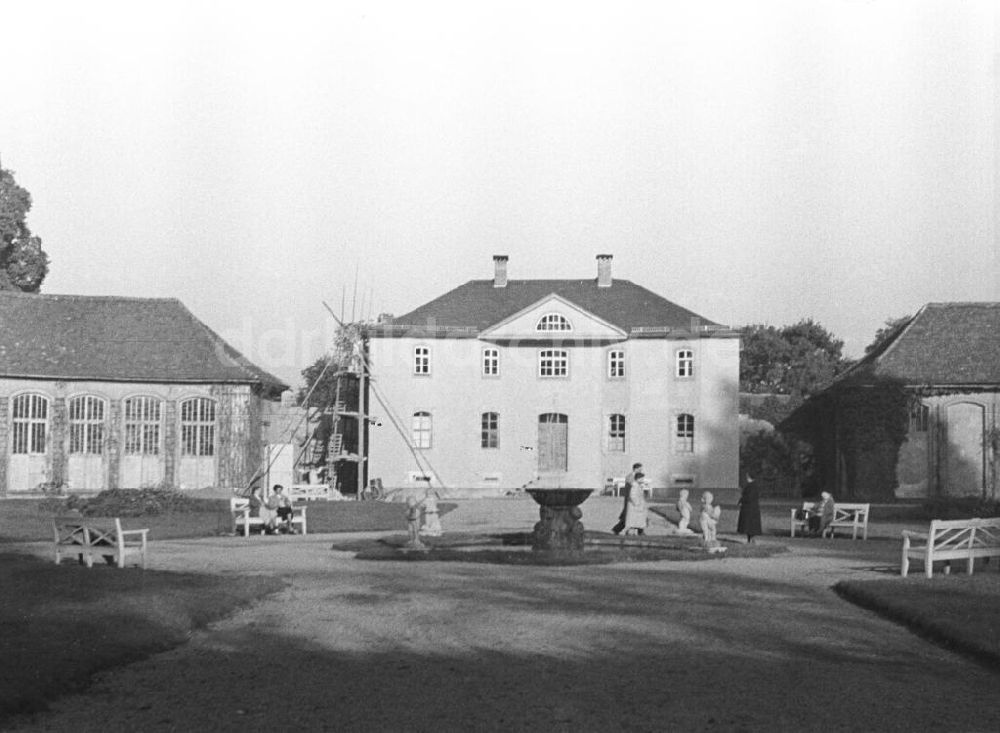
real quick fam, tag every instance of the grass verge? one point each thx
(63, 623)
(960, 612)
(22, 520)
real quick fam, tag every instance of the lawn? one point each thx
(22, 520)
(961, 612)
(63, 623)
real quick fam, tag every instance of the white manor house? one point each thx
(505, 383)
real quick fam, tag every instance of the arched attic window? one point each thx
(553, 322)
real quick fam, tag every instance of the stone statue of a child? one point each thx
(709, 521)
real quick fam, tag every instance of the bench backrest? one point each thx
(308, 491)
(963, 533)
(850, 512)
(238, 503)
(842, 510)
(73, 529)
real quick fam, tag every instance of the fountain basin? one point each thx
(560, 497)
(559, 527)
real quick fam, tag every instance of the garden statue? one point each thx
(709, 522)
(432, 517)
(413, 524)
(684, 509)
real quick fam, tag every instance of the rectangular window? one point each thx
(684, 436)
(491, 363)
(421, 360)
(920, 416)
(421, 430)
(616, 433)
(685, 363)
(490, 436)
(616, 364)
(553, 363)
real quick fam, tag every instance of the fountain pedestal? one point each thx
(559, 526)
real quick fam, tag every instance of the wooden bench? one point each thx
(85, 539)
(845, 516)
(616, 487)
(239, 508)
(952, 539)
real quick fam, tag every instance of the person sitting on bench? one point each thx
(260, 507)
(282, 508)
(821, 515)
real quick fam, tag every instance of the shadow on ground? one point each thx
(460, 647)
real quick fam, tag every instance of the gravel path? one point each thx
(731, 645)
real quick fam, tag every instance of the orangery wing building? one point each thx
(111, 392)
(506, 383)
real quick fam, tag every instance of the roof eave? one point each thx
(94, 378)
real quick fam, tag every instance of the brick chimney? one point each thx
(604, 271)
(499, 271)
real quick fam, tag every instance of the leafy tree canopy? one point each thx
(886, 333)
(800, 359)
(23, 264)
(345, 354)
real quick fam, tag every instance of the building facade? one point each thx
(946, 362)
(105, 392)
(507, 383)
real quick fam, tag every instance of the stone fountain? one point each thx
(559, 526)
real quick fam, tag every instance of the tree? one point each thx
(888, 332)
(799, 360)
(345, 354)
(23, 264)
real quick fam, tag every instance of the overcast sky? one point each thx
(752, 161)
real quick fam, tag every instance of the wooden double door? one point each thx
(553, 443)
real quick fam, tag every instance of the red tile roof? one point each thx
(477, 305)
(117, 339)
(944, 344)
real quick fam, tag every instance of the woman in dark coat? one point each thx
(749, 519)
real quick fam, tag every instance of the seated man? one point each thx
(821, 515)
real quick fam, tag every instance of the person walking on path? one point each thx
(635, 507)
(748, 522)
(629, 481)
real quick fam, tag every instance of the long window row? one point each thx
(142, 425)
(554, 363)
(421, 431)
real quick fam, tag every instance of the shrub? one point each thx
(960, 507)
(128, 503)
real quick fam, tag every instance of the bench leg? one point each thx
(947, 567)
(971, 565)
(904, 566)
